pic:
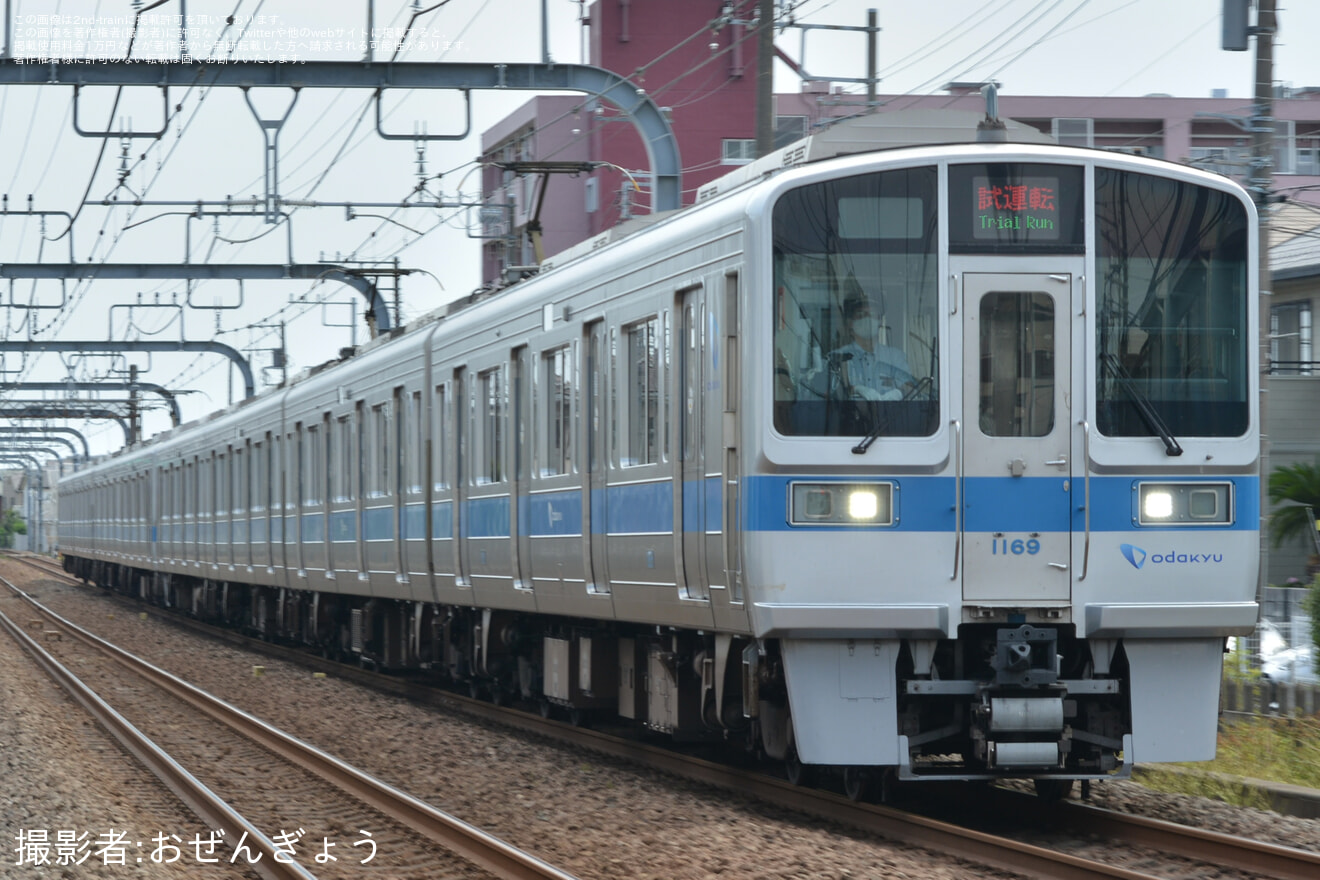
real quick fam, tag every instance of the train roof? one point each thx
(877, 132)
(859, 134)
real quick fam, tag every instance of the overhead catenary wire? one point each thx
(80, 290)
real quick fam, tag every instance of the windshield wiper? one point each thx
(1144, 407)
(881, 424)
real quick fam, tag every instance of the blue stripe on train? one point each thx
(921, 504)
(998, 504)
(554, 514)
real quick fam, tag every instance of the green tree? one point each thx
(11, 524)
(1311, 602)
(1293, 488)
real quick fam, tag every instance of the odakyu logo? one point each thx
(1138, 557)
(1135, 555)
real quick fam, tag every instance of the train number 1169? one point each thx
(1014, 546)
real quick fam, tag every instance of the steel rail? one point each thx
(208, 806)
(1167, 837)
(1170, 838)
(892, 824)
(1251, 856)
(459, 837)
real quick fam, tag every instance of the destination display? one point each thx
(1015, 208)
(1030, 205)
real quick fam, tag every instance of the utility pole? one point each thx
(134, 431)
(1260, 181)
(1262, 184)
(765, 78)
(872, 57)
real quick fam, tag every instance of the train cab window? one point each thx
(1017, 364)
(643, 395)
(855, 317)
(1171, 257)
(556, 451)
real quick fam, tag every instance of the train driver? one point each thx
(866, 368)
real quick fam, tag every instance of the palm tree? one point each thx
(1293, 489)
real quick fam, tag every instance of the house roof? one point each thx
(1294, 241)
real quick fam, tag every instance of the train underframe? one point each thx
(1001, 700)
(1014, 700)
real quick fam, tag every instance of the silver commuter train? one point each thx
(928, 463)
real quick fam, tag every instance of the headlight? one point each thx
(1156, 504)
(848, 504)
(1209, 504)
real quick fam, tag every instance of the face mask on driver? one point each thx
(864, 327)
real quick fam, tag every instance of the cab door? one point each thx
(1015, 467)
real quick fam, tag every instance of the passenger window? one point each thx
(259, 490)
(240, 498)
(440, 438)
(521, 360)
(222, 485)
(340, 441)
(593, 400)
(413, 439)
(313, 465)
(491, 425)
(557, 433)
(377, 460)
(643, 395)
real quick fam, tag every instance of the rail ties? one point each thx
(1224, 850)
(466, 841)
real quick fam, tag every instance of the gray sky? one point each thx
(329, 151)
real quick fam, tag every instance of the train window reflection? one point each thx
(490, 425)
(1017, 364)
(1172, 261)
(855, 318)
(644, 390)
(557, 433)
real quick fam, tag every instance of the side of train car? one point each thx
(939, 460)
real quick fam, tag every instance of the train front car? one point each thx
(1005, 507)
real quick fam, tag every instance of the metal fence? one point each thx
(1268, 697)
(1273, 671)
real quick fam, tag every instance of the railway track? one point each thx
(44, 564)
(991, 849)
(311, 779)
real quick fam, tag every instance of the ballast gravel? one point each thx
(588, 815)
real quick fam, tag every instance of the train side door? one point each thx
(691, 509)
(1014, 466)
(462, 567)
(519, 476)
(596, 452)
